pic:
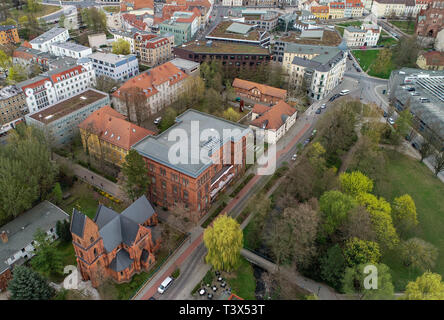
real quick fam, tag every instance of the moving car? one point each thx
(164, 285)
(157, 120)
(391, 121)
(344, 92)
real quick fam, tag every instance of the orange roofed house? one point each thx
(107, 135)
(9, 34)
(258, 92)
(114, 245)
(275, 120)
(161, 85)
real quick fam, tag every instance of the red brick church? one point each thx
(114, 245)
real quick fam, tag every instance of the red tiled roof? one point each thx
(157, 43)
(26, 44)
(137, 4)
(273, 118)
(35, 84)
(339, 5)
(66, 73)
(248, 85)
(22, 55)
(319, 9)
(354, 3)
(112, 127)
(260, 108)
(434, 58)
(134, 21)
(152, 78)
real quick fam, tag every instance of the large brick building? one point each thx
(431, 20)
(258, 92)
(113, 245)
(193, 181)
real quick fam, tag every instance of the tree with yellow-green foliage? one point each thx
(404, 213)
(5, 60)
(121, 46)
(357, 251)
(426, 287)
(334, 206)
(16, 73)
(355, 183)
(223, 241)
(231, 114)
(380, 210)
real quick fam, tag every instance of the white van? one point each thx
(344, 92)
(164, 285)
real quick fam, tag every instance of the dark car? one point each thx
(357, 69)
(318, 111)
(385, 114)
(415, 145)
(332, 98)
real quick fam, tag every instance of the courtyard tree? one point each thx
(382, 62)
(5, 60)
(136, 175)
(95, 19)
(405, 52)
(27, 284)
(168, 119)
(425, 149)
(355, 183)
(426, 287)
(47, 259)
(417, 253)
(121, 46)
(357, 251)
(231, 114)
(56, 194)
(404, 213)
(63, 231)
(16, 73)
(358, 225)
(62, 21)
(355, 279)
(223, 241)
(438, 162)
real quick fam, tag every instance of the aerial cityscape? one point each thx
(221, 150)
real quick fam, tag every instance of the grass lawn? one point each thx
(366, 59)
(387, 41)
(405, 26)
(242, 281)
(111, 8)
(405, 175)
(45, 10)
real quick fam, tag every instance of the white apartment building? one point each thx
(58, 84)
(116, 67)
(400, 8)
(232, 3)
(127, 36)
(322, 68)
(367, 35)
(43, 41)
(69, 49)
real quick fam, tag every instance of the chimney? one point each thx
(4, 237)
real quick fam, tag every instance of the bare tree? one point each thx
(88, 131)
(426, 149)
(438, 162)
(136, 101)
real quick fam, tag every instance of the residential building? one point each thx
(115, 246)
(116, 67)
(60, 121)
(27, 56)
(191, 68)
(353, 8)
(12, 107)
(17, 245)
(321, 68)
(161, 85)
(107, 135)
(54, 35)
(366, 35)
(232, 55)
(320, 12)
(152, 49)
(400, 8)
(236, 32)
(69, 49)
(129, 5)
(439, 41)
(308, 4)
(264, 20)
(232, 3)
(275, 121)
(191, 17)
(336, 10)
(426, 106)
(97, 40)
(193, 182)
(431, 60)
(258, 92)
(431, 20)
(131, 21)
(181, 30)
(9, 34)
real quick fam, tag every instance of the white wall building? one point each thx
(127, 36)
(43, 41)
(116, 67)
(367, 35)
(69, 49)
(232, 3)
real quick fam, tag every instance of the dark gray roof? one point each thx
(77, 223)
(104, 215)
(128, 229)
(22, 229)
(323, 62)
(145, 255)
(139, 211)
(111, 234)
(121, 261)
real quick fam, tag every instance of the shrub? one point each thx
(176, 273)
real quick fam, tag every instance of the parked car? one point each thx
(313, 133)
(391, 121)
(415, 145)
(323, 106)
(164, 285)
(157, 120)
(344, 92)
(307, 141)
(318, 111)
(238, 99)
(385, 114)
(357, 69)
(294, 157)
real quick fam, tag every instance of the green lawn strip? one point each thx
(45, 10)
(243, 283)
(404, 175)
(404, 26)
(387, 41)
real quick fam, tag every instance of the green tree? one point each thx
(94, 19)
(231, 114)
(5, 60)
(9, 22)
(355, 183)
(56, 194)
(357, 251)
(382, 62)
(334, 206)
(404, 213)
(426, 287)
(417, 253)
(16, 73)
(23, 21)
(332, 266)
(34, 6)
(121, 46)
(354, 283)
(404, 122)
(62, 21)
(63, 231)
(136, 175)
(48, 259)
(223, 241)
(168, 119)
(27, 284)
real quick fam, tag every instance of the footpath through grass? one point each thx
(405, 175)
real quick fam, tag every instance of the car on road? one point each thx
(344, 92)
(294, 157)
(164, 285)
(415, 145)
(323, 106)
(414, 93)
(313, 133)
(157, 120)
(318, 111)
(358, 70)
(391, 121)
(307, 141)
(385, 114)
